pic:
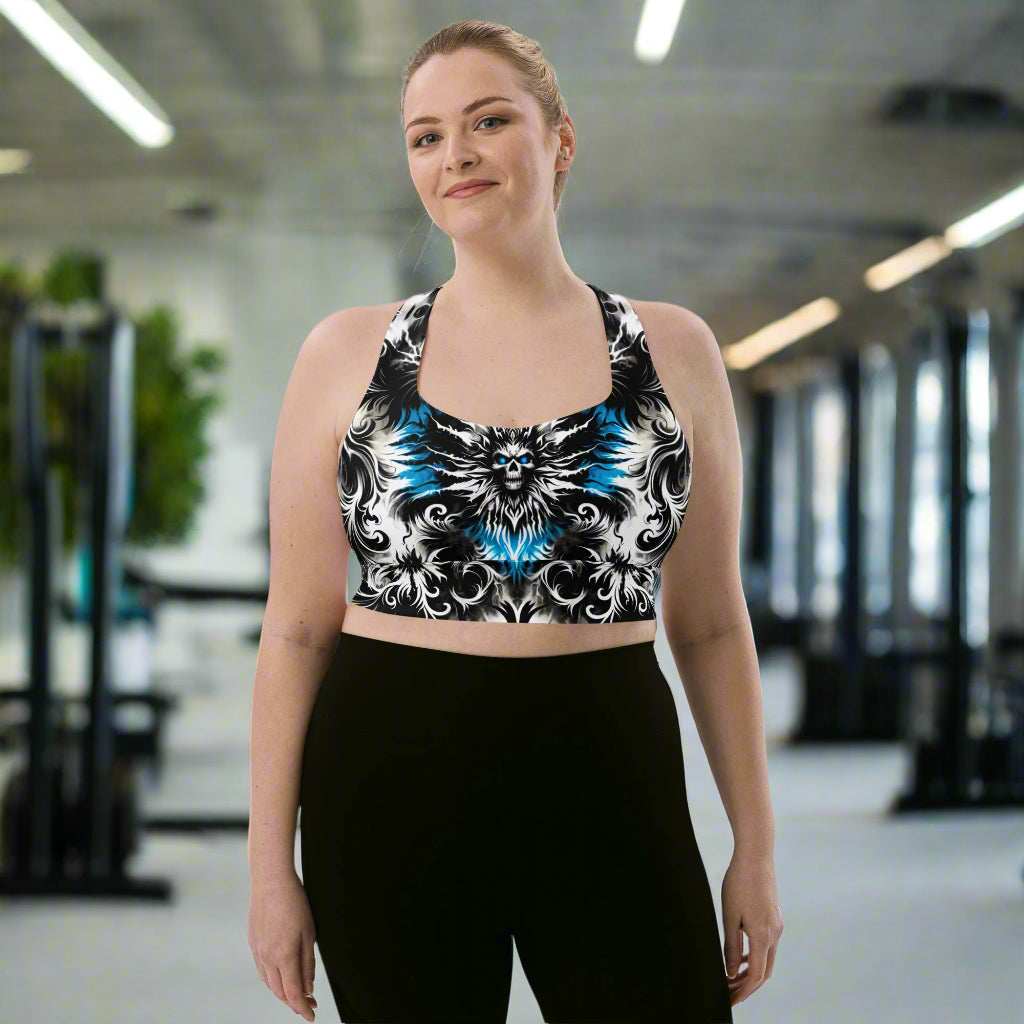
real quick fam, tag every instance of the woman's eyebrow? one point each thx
(465, 110)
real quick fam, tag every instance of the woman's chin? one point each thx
(469, 227)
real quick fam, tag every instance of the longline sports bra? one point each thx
(563, 521)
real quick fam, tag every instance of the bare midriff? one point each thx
(500, 639)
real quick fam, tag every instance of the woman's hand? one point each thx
(281, 937)
(750, 903)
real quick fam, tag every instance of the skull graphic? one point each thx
(512, 465)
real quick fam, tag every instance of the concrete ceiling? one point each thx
(751, 172)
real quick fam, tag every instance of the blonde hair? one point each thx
(536, 75)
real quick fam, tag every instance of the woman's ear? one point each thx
(567, 137)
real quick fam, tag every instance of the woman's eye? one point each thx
(489, 117)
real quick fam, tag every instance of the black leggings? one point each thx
(451, 801)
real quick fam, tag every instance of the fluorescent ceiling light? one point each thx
(84, 63)
(989, 222)
(14, 161)
(780, 333)
(905, 264)
(657, 27)
(980, 227)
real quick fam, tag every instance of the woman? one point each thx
(482, 742)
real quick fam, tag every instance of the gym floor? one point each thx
(886, 919)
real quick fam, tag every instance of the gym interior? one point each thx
(836, 189)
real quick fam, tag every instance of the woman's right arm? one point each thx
(309, 554)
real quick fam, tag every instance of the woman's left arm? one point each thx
(708, 630)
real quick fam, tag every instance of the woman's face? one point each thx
(504, 141)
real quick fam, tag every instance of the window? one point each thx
(785, 523)
(978, 386)
(929, 492)
(878, 430)
(828, 463)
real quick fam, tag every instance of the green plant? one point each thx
(174, 393)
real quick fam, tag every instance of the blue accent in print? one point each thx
(565, 521)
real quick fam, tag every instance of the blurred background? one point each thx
(187, 188)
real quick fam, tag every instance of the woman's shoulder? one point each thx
(372, 322)
(680, 336)
(346, 331)
(669, 315)
(348, 344)
(685, 353)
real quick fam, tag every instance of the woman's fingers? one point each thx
(754, 976)
(759, 959)
(308, 967)
(260, 970)
(282, 938)
(279, 982)
(771, 961)
(274, 983)
(738, 978)
(291, 976)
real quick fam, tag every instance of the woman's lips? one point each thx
(464, 193)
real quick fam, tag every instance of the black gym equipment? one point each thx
(853, 692)
(769, 628)
(848, 695)
(69, 814)
(154, 591)
(859, 692)
(162, 590)
(952, 764)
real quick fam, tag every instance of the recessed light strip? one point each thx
(656, 29)
(777, 335)
(989, 222)
(978, 228)
(14, 161)
(84, 63)
(905, 264)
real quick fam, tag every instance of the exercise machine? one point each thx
(69, 817)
